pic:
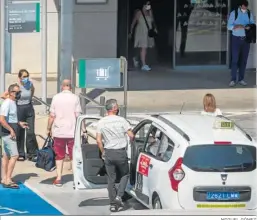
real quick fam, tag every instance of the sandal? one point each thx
(21, 159)
(11, 185)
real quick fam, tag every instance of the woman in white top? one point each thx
(209, 106)
(144, 21)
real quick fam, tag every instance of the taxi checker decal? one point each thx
(144, 163)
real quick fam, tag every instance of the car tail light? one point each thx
(176, 174)
(222, 142)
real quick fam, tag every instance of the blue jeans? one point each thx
(240, 49)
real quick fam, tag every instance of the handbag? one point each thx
(46, 156)
(151, 32)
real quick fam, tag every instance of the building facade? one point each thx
(101, 31)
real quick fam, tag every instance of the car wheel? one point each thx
(157, 203)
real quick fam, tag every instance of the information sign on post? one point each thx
(23, 16)
(100, 73)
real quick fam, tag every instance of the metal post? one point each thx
(74, 76)
(125, 80)
(65, 41)
(83, 101)
(44, 50)
(8, 43)
(2, 46)
(102, 102)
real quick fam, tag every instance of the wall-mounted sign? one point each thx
(23, 17)
(82, 2)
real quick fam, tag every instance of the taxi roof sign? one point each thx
(219, 124)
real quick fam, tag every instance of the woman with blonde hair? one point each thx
(209, 106)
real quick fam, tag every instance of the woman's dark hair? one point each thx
(21, 72)
(244, 2)
(143, 2)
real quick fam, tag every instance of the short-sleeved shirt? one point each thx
(9, 111)
(113, 129)
(65, 107)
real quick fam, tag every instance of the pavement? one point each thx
(237, 103)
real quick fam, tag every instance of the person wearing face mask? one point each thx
(145, 32)
(238, 23)
(111, 137)
(26, 113)
(9, 127)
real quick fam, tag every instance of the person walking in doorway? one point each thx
(111, 137)
(9, 127)
(144, 22)
(64, 110)
(237, 23)
(26, 113)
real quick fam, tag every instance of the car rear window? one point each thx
(220, 158)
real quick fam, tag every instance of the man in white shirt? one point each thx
(64, 110)
(9, 126)
(112, 131)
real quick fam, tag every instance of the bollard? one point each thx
(102, 103)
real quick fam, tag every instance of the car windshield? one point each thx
(220, 158)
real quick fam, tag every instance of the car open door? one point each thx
(87, 162)
(88, 166)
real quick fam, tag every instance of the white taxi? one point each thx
(185, 161)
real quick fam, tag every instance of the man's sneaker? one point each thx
(57, 183)
(146, 68)
(113, 208)
(242, 83)
(118, 201)
(232, 83)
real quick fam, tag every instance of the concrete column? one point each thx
(65, 43)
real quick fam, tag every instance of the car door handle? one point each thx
(151, 166)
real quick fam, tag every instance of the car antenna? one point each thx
(182, 108)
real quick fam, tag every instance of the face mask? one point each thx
(25, 80)
(18, 95)
(243, 10)
(148, 7)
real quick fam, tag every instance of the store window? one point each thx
(201, 32)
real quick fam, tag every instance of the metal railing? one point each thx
(43, 103)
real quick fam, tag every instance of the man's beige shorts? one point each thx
(10, 146)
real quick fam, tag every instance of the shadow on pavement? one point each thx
(23, 177)
(65, 179)
(95, 202)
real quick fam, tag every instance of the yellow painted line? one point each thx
(220, 205)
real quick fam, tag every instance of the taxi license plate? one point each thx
(220, 206)
(222, 196)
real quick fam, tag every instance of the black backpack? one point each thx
(248, 12)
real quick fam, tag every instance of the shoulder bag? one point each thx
(151, 32)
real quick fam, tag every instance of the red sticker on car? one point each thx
(144, 163)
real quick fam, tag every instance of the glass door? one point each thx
(201, 36)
